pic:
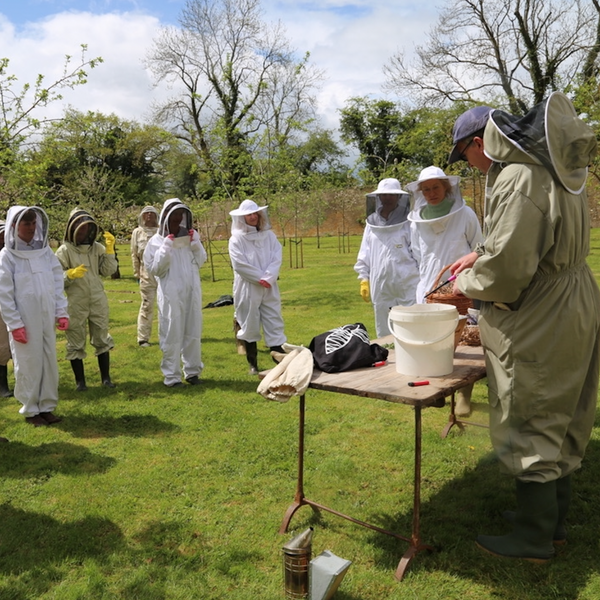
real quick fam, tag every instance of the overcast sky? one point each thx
(350, 41)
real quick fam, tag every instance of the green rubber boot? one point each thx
(535, 522)
(563, 500)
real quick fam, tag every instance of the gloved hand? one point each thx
(62, 323)
(20, 335)
(168, 241)
(77, 272)
(109, 240)
(264, 283)
(364, 290)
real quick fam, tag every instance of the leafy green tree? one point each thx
(21, 116)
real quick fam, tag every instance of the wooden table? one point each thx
(384, 383)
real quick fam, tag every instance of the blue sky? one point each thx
(349, 41)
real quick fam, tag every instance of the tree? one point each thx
(235, 77)
(19, 110)
(511, 53)
(373, 127)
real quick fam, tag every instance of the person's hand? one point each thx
(194, 237)
(109, 240)
(364, 289)
(264, 283)
(20, 335)
(62, 323)
(77, 272)
(465, 262)
(168, 241)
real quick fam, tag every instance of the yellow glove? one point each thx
(77, 272)
(109, 240)
(364, 290)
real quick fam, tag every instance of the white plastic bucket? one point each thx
(424, 338)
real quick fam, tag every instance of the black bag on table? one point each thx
(345, 348)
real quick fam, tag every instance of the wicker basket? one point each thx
(445, 296)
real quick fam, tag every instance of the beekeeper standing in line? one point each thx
(85, 261)
(386, 267)
(147, 227)
(256, 255)
(174, 255)
(32, 304)
(540, 311)
(5, 355)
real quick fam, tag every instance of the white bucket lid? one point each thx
(423, 312)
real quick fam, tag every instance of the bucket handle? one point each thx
(428, 343)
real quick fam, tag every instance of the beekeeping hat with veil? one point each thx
(553, 135)
(248, 207)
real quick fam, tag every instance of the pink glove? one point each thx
(63, 323)
(171, 237)
(264, 283)
(20, 335)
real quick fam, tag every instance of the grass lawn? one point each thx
(149, 493)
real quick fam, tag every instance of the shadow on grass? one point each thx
(98, 426)
(34, 542)
(473, 503)
(20, 461)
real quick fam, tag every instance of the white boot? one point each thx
(462, 401)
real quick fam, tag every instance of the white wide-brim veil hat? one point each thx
(432, 173)
(389, 186)
(553, 135)
(248, 207)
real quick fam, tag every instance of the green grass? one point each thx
(148, 493)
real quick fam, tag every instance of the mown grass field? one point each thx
(149, 493)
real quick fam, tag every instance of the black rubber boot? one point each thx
(535, 522)
(4, 390)
(77, 366)
(252, 357)
(104, 364)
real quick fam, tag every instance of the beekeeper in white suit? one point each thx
(443, 229)
(256, 255)
(174, 255)
(32, 302)
(386, 267)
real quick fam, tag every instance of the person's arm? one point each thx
(275, 257)
(240, 263)
(135, 259)
(107, 262)
(8, 304)
(519, 235)
(157, 256)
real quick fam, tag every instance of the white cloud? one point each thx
(350, 42)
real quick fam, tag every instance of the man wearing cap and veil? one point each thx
(256, 255)
(540, 310)
(386, 267)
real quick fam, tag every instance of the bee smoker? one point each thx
(296, 562)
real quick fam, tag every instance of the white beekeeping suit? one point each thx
(174, 256)
(32, 302)
(256, 255)
(385, 258)
(440, 241)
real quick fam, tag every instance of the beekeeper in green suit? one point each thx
(540, 315)
(85, 261)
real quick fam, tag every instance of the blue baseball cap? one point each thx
(466, 125)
